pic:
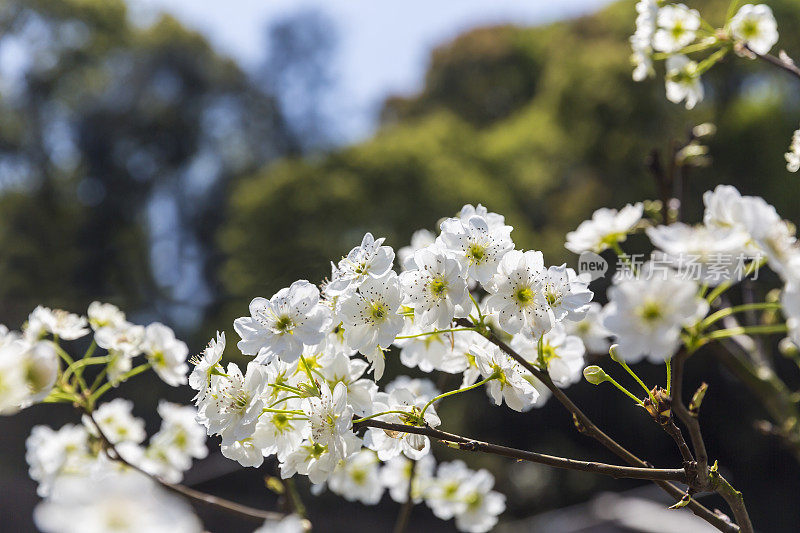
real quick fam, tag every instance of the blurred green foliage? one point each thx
(541, 124)
(117, 141)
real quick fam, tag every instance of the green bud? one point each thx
(697, 400)
(595, 375)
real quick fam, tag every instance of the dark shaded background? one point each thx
(137, 166)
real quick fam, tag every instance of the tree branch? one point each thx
(464, 443)
(585, 425)
(683, 414)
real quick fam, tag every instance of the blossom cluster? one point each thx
(29, 359)
(650, 307)
(85, 490)
(674, 32)
(298, 397)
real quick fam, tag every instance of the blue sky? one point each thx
(384, 46)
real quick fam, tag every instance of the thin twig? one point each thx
(464, 443)
(683, 414)
(782, 63)
(405, 511)
(673, 431)
(210, 500)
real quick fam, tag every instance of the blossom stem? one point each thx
(284, 411)
(124, 377)
(623, 389)
(697, 47)
(370, 417)
(477, 307)
(98, 379)
(728, 283)
(628, 369)
(307, 370)
(80, 363)
(722, 313)
(283, 400)
(744, 330)
(289, 388)
(623, 256)
(454, 392)
(668, 362)
(452, 330)
(67, 359)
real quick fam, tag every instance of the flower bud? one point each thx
(595, 375)
(613, 353)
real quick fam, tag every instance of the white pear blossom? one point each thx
(166, 354)
(392, 444)
(105, 315)
(357, 478)
(755, 25)
(444, 495)
(205, 364)
(360, 391)
(476, 244)
(517, 294)
(40, 364)
(117, 422)
(420, 239)
(234, 402)
(280, 433)
(52, 453)
(396, 474)
(642, 39)
(591, 330)
(330, 419)
(63, 324)
(420, 388)
(562, 354)
(793, 155)
(13, 388)
(494, 220)
(113, 501)
(245, 452)
(370, 314)
(677, 27)
(123, 342)
(483, 505)
(723, 208)
(646, 313)
(179, 440)
(607, 227)
(766, 232)
(566, 293)
(707, 255)
(370, 259)
(282, 325)
(682, 81)
(310, 459)
(7, 336)
(445, 352)
(509, 384)
(435, 288)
